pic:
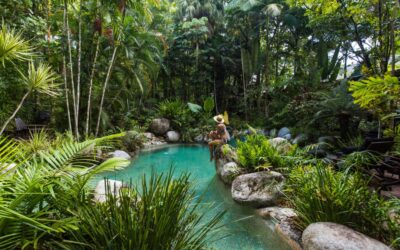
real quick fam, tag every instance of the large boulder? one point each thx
(332, 236)
(260, 189)
(281, 144)
(172, 136)
(159, 126)
(104, 186)
(228, 172)
(120, 154)
(283, 132)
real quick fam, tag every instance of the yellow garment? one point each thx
(226, 118)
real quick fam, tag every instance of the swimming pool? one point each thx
(244, 229)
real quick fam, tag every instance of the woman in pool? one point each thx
(219, 136)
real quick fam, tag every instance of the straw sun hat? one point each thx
(219, 119)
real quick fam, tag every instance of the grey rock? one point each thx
(159, 126)
(228, 172)
(290, 234)
(172, 136)
(287, 136)
(149, 136)
(278, 213)
(258, 189)
(283, 131)
(112, 186)
(154, 141)
(281, 144)
(120, 154)
(332, 236)
(199, 138)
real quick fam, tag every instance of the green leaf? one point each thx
(209, 104)
(195, 108)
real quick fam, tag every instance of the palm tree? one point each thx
(142, 9)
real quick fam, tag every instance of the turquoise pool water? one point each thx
(243, 228)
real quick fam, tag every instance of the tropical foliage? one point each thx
(318, 193)
(46, 202)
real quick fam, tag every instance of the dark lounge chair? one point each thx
(24, 130)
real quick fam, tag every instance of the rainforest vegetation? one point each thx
(86, 77)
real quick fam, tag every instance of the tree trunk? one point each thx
(244, 86)
(91, 86)
(66, 93)
(345, 64)
(78, 76)
(105, 88)
(66, 23)
(392, 37)
(15, 112)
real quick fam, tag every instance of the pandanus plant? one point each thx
(38, 78)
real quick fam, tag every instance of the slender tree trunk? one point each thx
(78, 76)
(392, 36)
(15, 112)
(89, 106)
(66, 20)
(267, 54)
(345, 64)
(105, 88)
(66, 93)
(123, 10)
(244, 86)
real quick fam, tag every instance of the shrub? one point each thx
(176, 111)
(160, 214)
(257, 153)
(360, 161)
(133, 141)
(321, 194)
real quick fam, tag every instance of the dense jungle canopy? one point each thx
(271, 63)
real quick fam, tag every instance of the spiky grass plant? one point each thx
(319, 194)
(161, 213)
(361, 161)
